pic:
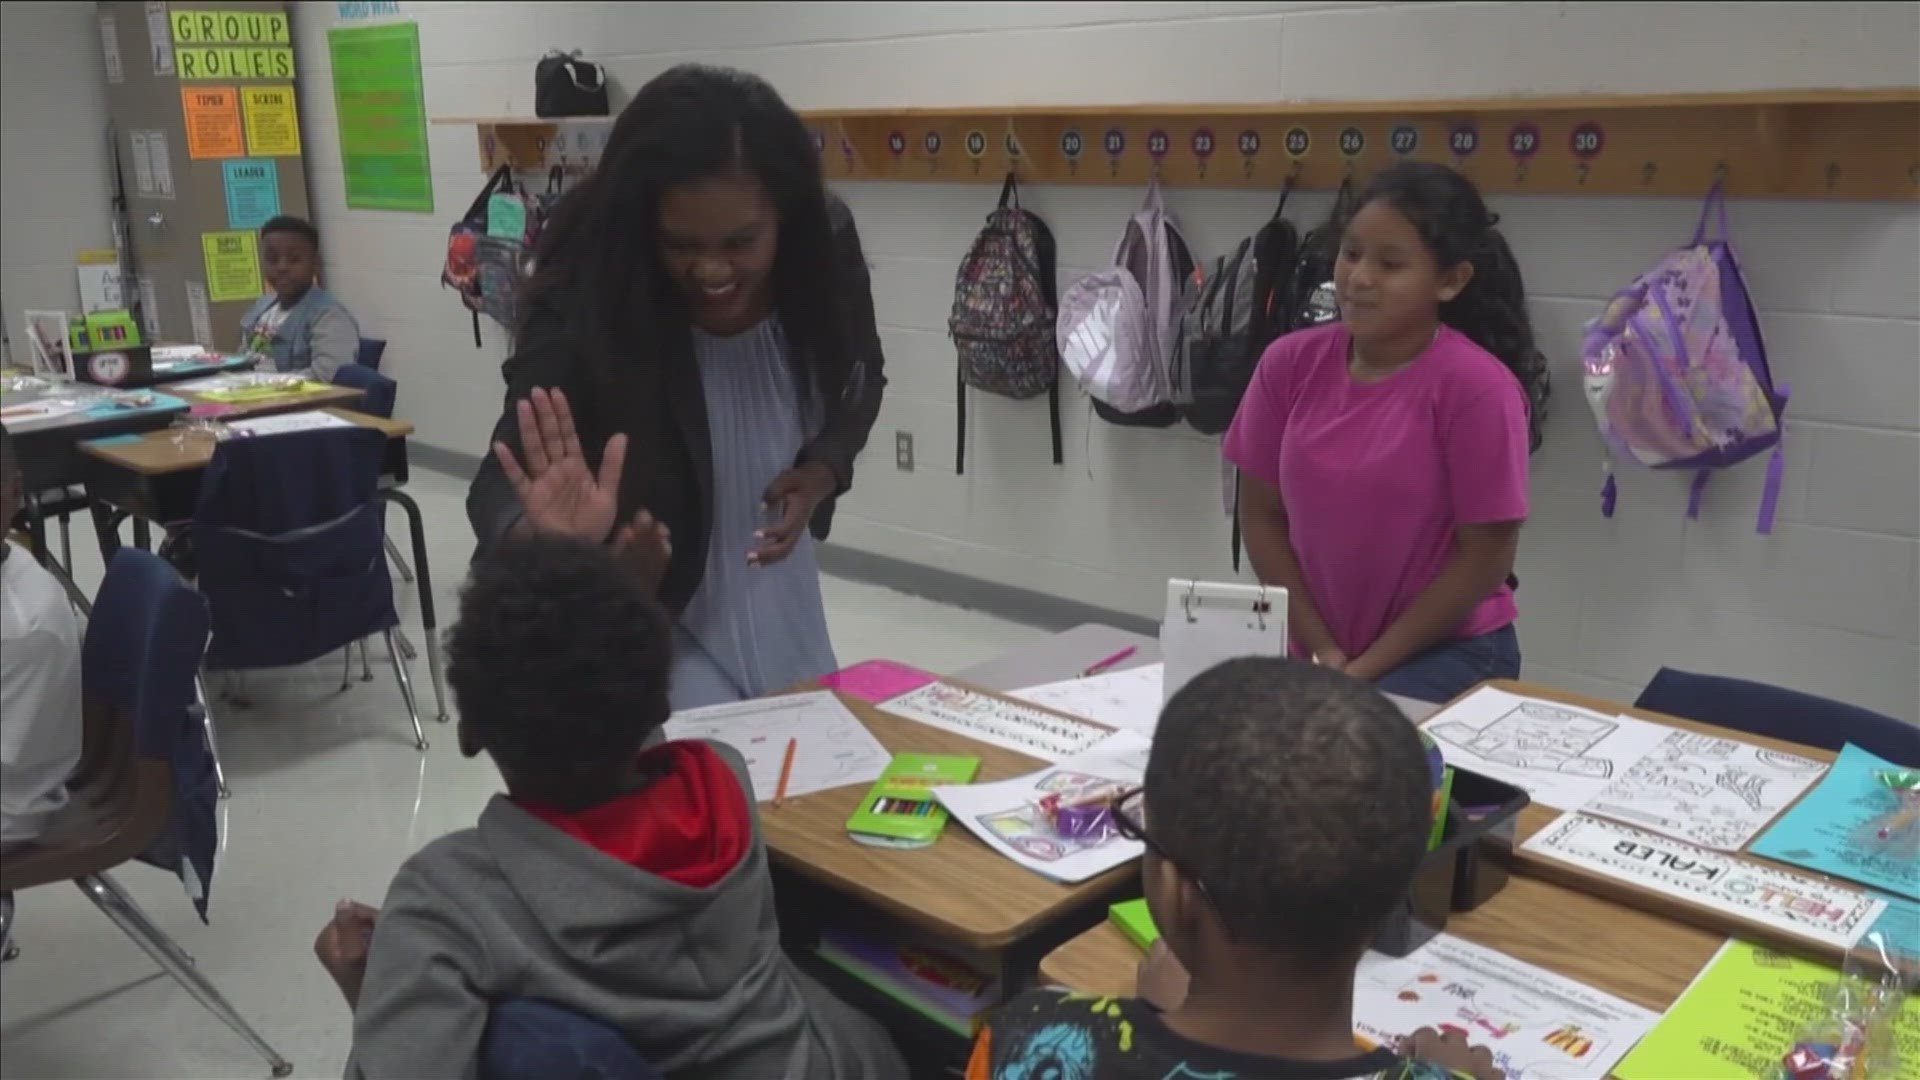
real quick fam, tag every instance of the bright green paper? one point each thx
(1136, 922)
(382, 112)
(1742, 1016)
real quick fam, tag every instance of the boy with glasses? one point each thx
(1285, 810)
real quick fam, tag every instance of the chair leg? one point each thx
(393, 552)
(213, 742)
(417, 530)
(366, 666)
(118, 906)
(66, 544)
(406, 645)
(435, 669)
(8, 950)
(406, 690)
(346, 668)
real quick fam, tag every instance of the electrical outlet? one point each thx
(903, 450)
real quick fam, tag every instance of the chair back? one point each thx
(288, 538)
(1779, 713)
(377, 391)
(529, 1039)
(371, 350)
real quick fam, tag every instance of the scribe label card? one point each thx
(1792, 903)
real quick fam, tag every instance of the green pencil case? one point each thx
(900, 810)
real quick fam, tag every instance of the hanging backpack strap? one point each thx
(501, 180)
(1053, 414)
(960, 421)
(1776, 464)
(1286, 189)
(1009, 193)
(1697, 492)
(1234, 541)
(1714, 209)
(476, 326)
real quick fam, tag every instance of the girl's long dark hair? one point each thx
(1450, 216)
(597, 266)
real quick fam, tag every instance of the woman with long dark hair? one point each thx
(1383, 457)
(695, 373)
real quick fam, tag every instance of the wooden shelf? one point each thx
(1834, 144)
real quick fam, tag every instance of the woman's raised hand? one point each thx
(558, 492)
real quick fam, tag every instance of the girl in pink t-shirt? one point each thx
(1383, 458)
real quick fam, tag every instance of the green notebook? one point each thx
(900, 810)
(1134, 921)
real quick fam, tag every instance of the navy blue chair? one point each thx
(289, 538)
(144, 788)
(377, 391)
(370, 352)
(529, 1039)
(1779, 713)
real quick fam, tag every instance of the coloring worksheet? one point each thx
(1007, 815)
(1714, 792)
(995, 720)
(1561, 755)
(1538, 1025)
(832, 747)
(1128, 699)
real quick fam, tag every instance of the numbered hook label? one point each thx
(1014, 150)
(1353, 142)
(896, 142)
(1463, 140)
(1523, 142)
(931, 144)
(976, 144)
(819, 141)
(1114, 142)
(1071, 147)
(1297, 142)
(1404, 139)
(1202, 143)
(1249, 149)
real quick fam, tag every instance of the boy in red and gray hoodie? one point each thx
(622, 885)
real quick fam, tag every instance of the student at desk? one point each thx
(1285, 809)
(300, 327)
(700, 331)
(626, 886)
(40, 725)
(1383, 457)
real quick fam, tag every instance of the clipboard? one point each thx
(1209, 622)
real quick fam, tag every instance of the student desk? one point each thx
(173, 371)
(299, 401)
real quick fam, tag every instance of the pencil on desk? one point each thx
(786, 773)
(1103, 665)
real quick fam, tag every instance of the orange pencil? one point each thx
(786, 773)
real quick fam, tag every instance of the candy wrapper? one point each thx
(1854, 1038)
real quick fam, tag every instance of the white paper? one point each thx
(1119, 699)
(34, 415)
(1707, 790)
(150, 312)
(142, 163)
(162, 160)
(160, 33)
(1007, 814)
(1210, 622)
(1561, 755)
(1806, 907)
(833, 748)
(280, 425)
(100, 287)
(200, 312)
(1536, 1023)
(110, 49)
(997, 721)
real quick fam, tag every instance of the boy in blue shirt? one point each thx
(1285, 810)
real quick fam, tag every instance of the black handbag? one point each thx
(565, 85)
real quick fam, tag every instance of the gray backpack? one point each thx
(1231, 312)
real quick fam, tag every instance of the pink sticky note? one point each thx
(877, 680)
(209, 409)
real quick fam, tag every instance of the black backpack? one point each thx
(565, 85)
(1312, 302)
(1228, 319)
(1004, 310)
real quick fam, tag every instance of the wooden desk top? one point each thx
(1633, 954)
(160, 452)
(280, 403)
(959, 888)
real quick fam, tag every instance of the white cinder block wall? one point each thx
(1827, 604)
(53, 156)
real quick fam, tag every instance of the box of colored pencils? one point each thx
(900, 810)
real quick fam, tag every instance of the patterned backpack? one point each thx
(1003, 315)
(1677, 373)
(490, 251)
(1117, 325)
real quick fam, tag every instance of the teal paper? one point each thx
(253, 191)
(1832, 829)
(506, 217)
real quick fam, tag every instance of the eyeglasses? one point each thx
(1130, 821)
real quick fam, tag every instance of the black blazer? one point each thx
(669, 469)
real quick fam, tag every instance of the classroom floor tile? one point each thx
(329, 797)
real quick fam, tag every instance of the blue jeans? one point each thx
(1444, 672)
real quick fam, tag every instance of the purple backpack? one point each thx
(1677, 374)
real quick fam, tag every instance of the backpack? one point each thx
(565, 85)
(1232, 312)
(1117, 325)
(1003, 315)
(1313, 301)
(1676, 370)
(489, 250)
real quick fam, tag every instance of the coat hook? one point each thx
(1833, 174)
(1913, 174)
(1299, 167)
(1721, 172)
(1646, 173)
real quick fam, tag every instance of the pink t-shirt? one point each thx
(1376, 476)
